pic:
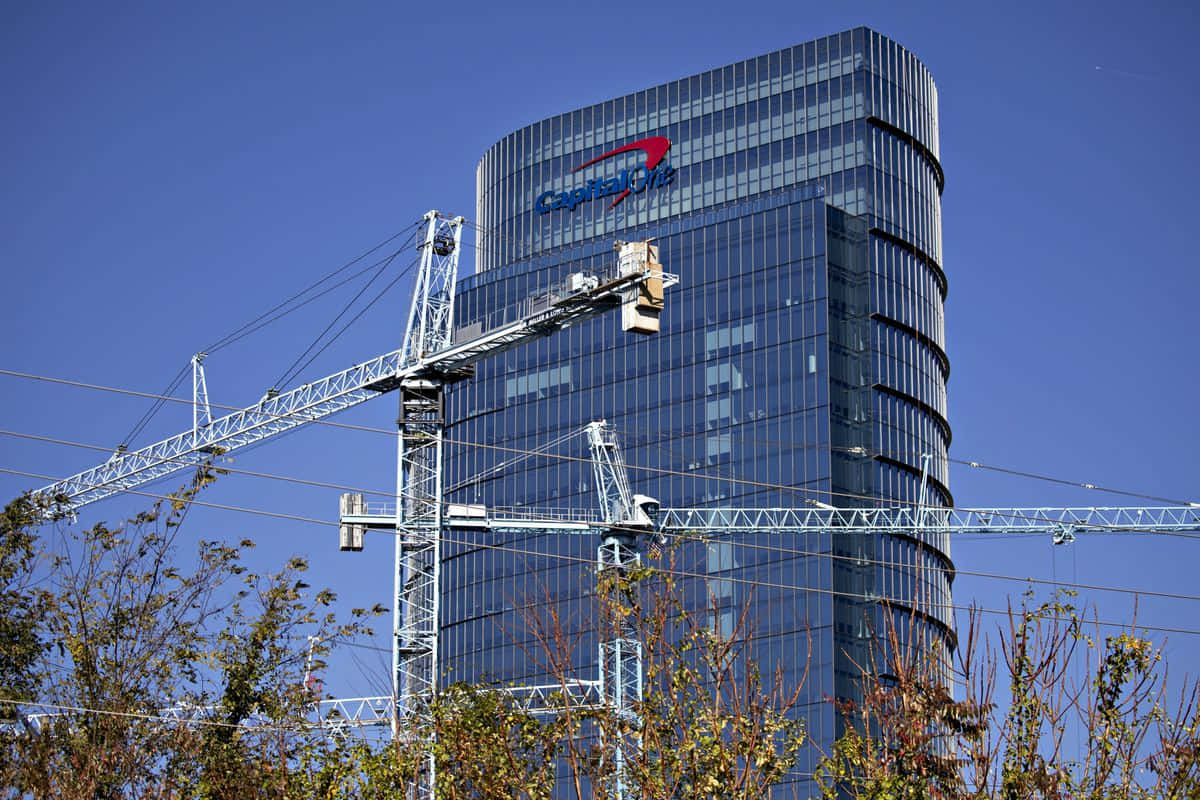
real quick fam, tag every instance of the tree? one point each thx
(708, 725)
(22, 605)
(909, 737)
(119, 639)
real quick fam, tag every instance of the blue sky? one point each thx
(169, 171)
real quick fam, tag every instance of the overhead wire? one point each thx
(766, 584)
(590, 561)
(540, 450)
(654, 470)
(149, 717)
(746, 545)
(974, 464)
(219, 467)
(698, 474)
(801, 490)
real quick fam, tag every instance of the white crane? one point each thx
(434, 354)
(431, 356)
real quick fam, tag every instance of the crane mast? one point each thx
(430, 356)
(580, 296)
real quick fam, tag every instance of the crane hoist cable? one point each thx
(264, 319)
(253, 325)
(141, 424)
(292, 371)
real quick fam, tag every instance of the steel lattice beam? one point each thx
(277, 414)
(909, 520)
(916, 520)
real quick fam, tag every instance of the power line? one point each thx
(974, 464)
(801, 490)
(589, 561)
(793, 587)
(203, 503)
(741, 481)
(744, 544)
(67, 709)
(235, 471)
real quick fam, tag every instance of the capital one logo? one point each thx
(653, 173)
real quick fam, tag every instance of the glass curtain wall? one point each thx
(802, 357)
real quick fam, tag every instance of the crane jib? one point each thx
(279, 413)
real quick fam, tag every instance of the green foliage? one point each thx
(115, 632)
(896, 743)
(104, 625)
(709, 725)
(22, 605)
(488, 747)
(910, 739)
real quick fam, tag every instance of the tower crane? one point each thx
(434, 354)
(431, 355)
(624, 518)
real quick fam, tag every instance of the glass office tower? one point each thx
(801, 357)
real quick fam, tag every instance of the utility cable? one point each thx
(785, 586)
(743, 544)
(371, 429)
(591, 562)
(203, 503)
(71, 709)
(682, 537)
(899, 454)
(740, 481)
(540, 450)
(218, 467)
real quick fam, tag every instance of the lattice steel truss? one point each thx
(612, 479)
(431, 316)
(620, 656)
(279, 412)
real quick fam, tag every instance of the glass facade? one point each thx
(801, 357)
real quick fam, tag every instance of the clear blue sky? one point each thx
(171, 170)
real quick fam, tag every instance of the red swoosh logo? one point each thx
(655, 147)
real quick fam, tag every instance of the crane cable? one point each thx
(254, 325)
(292, 370)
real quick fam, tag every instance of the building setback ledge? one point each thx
(939, 274)
(938, 175)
